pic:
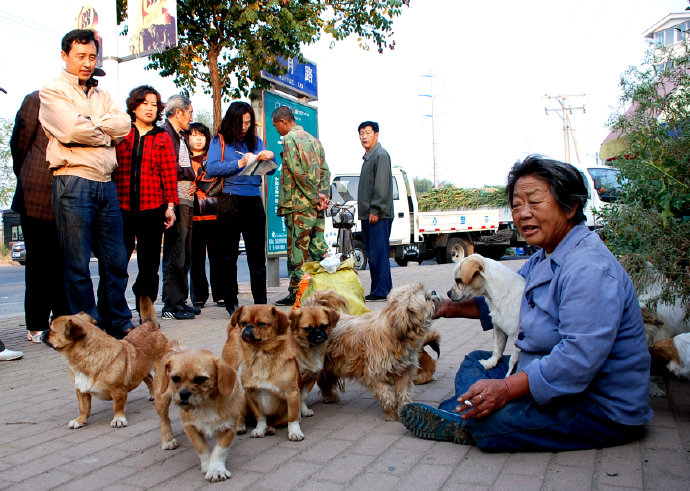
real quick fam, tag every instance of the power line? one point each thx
(564, 112)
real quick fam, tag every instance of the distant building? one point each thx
(673, 30)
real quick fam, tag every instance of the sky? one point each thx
(487, 67)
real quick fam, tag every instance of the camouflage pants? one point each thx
(304, 239)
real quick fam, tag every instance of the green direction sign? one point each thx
(305, 116)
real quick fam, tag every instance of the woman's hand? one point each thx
(169, 218)
(488, 395)
(264, 155)
(483, 398)
(242, 163)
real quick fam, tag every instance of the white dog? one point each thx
(503, 289)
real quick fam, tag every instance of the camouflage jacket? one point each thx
(304, 173)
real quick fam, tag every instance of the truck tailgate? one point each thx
(458, 221)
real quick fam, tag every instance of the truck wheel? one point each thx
(456, 250)
(360, 255)
(402, 262)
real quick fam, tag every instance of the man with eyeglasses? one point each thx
(177, 245)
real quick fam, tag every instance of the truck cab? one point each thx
(602, 188)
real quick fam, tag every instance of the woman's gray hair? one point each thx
(176, 102)
(566, 183)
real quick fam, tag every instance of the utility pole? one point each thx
(433, 128)
(564, 112)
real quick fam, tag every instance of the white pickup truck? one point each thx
(449, 236)
(446, 236)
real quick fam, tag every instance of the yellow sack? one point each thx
(345, 281)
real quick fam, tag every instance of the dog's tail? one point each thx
(146, 310)
(432, 340)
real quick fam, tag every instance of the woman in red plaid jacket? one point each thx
(146, 180)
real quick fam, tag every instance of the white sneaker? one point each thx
(7, 355)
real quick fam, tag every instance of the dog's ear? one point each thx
(333, 317)
(471, 269)
(165, 379)
(282, 321)
(295, 315)
(226, 376)
(74, 330)
(234, 320)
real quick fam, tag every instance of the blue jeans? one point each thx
(377, 246)
(87, 214)
(569, 423)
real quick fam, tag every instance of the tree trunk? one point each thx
(216, 87)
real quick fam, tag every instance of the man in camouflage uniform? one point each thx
(304, 190)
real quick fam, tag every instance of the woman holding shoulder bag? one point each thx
(240, 207)
(205, 225)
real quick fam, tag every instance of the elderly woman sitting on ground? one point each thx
(582, 377)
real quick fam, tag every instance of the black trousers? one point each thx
(146, 229)
(45, 290)
(204, 239)
(245, 215)
(177, 258)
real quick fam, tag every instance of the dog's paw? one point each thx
(75, 423)
(241, 430)
(655, 390)
(391, 417)
(306, 412)
(118, 422)
(330, 398)
(489, 364)
(171, 445)
(151, 398)
(217, 474)
(270, 430)
(295, 432)
(257, 433)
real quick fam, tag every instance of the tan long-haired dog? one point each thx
(211, 402)
(311, 328)
(427, 365)
(380, 349)
(102, 366)
(259, 338)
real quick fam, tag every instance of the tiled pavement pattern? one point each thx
(347, 445)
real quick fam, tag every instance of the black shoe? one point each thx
(374, 298)
(191, 309)
(179, 315)
(220, 303)
(199, 304)
(231, 309)
(287, 301)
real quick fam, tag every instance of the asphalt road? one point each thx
(12, 281)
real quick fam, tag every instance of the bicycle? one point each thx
(344, 220)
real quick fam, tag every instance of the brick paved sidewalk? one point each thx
(347, 445)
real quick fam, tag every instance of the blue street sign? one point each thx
(299, 79)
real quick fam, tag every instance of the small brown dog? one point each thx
(427, 365)
(259, 338)
(380, 349)
(311, 328)
(211, 402)
(103, 366)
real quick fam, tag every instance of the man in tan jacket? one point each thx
(83, 123)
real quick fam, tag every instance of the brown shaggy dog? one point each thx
(427, 365)
(380, 349)
(103, 366)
